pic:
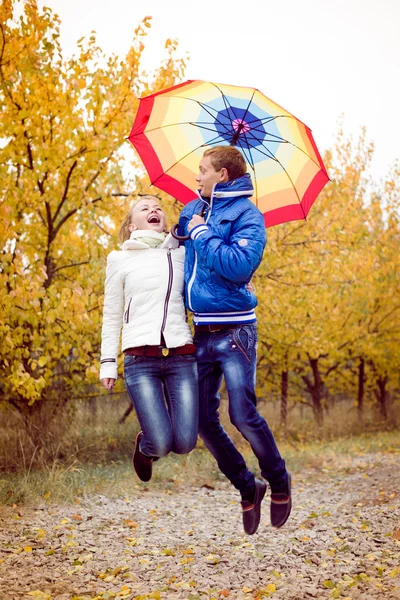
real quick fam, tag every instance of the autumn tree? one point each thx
(313, 284)
(63, 193)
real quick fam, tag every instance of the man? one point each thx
(224, 250)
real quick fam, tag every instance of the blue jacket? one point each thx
(222, 255)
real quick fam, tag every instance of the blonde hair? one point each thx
(124, 233)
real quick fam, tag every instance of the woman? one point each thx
(144, 296)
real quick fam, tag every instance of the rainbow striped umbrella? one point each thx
(173, 128)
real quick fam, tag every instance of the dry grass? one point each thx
(91, 452)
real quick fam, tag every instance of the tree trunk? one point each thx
(284, 398)
(126, 414)
(360, 391)
(381, 394)
(315, 389)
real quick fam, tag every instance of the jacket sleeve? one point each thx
(186, 214)
(113, 313)
(239, 258)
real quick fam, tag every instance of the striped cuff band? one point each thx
(224, 318)
(197, 231)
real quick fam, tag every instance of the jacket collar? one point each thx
(136, 244)
(242, 186)
(225, 194)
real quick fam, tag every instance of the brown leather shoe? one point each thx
(252, 510)
(142, 464)
(281, 505)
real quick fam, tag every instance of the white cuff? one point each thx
(198, 231)
(109, 369)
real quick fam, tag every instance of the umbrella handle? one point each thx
(174, 228)
(173, 231)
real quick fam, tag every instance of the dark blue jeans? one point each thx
(232, 354)
(164, 394)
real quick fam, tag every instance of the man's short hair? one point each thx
(227, 157)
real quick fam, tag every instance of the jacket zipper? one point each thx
(193, 276)
(169, 288)
(126, 319)
(191, 282)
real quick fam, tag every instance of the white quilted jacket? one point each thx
(143, 295)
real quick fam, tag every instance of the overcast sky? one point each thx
(317, 58)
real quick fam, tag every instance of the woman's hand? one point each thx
(108, 383)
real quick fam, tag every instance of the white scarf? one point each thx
(149, 237)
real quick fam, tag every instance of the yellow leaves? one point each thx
(267, 591)
(396, 534)
(41, 533)
(38, 595)
(58, 172)
(213, 559)
(131, 524)
(27, 549)
(132, 541)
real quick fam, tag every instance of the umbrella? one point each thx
(174, 127)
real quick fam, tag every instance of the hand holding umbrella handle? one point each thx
(175, 227)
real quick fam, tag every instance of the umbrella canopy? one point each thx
(174, 127)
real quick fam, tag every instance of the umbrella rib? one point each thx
(282, 167)
(287, 141)
(236, 134)
(267, 150)
(280, 140)
(251, 163)
(194, 123)
(205, 107)
(215, 140)
(225, 101)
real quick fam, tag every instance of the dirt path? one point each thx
(343, 540)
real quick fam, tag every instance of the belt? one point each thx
(162, 351)
(215, 327)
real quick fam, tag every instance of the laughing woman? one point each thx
(144, 297)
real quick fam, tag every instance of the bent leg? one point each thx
(214, 436)
(239, 368)
(145, 388)
(182, 396)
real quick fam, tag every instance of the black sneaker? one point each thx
(142, 464)
(281, 504)
(252, 510)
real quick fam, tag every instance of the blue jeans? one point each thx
(164, 394)
(232, 354)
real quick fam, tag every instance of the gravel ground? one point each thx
(342, 541)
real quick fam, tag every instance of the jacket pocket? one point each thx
(126, 314)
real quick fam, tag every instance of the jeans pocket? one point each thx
(187, 357)
(246, 338)
(129, 360)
